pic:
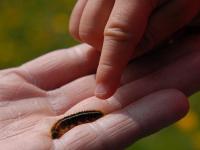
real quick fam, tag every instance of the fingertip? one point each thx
(107, 81)
(103, 91)
(182, 102)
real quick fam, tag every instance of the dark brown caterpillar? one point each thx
(65, 124)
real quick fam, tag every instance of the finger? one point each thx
(166, 21)
(121, 35)
(183, 74)
(60, 67)
(91, 29)
(148, 63)
(76, 17)
(168, 54)
(121, 128)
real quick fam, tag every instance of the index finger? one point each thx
(123, 31)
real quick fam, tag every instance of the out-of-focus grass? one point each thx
(31, 28)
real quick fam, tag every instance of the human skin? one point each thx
(123, 29)
(152, 96)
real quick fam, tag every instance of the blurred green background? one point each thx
(31, 28)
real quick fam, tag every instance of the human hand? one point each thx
(178, 68)
(37, 94)
(122, 29)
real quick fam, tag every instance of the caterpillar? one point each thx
(67, 123)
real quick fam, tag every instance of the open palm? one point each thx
(37, 94)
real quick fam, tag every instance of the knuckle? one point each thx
(89, 34)
(106, 70)
(106, 66)
(84, 34)
(118, 33)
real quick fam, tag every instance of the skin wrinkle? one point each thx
(91, 143)
(12, 133)
(49, 65)
(4, 73)
(23, 114)
(96, 128)
(55, 102)
(80, 138)
(62, 94)
(11, 112)
(132, 124)
(10, 120)
(80, 66)
(114, 102)
(122, 125)
(84, 58)
(9, 96)
(55, 99)
(36, 92)
(28, 76)
(87, 134)
(18, 87)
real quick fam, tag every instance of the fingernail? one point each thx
(101, 90)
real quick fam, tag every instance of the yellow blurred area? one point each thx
(189, 123)
(57, 23)
(196, 140)
(12, 16)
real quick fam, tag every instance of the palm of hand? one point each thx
(27, 112)
(24, 118)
